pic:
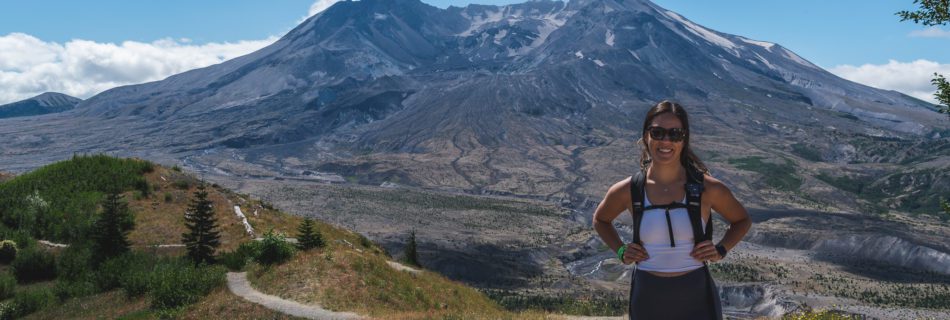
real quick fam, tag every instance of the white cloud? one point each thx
(911, 78)
(319, 6)
(932, 32)
(82, 68)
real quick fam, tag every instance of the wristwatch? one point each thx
(722, 250)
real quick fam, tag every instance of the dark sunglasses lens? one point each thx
(677, 135)
(657, 133)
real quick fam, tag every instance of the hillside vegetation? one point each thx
(60, 203)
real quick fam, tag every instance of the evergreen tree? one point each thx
(111, 228)
(202, 238)
(307, 237)
(412, 257)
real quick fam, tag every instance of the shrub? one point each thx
(182, 184)
(178, 282)
(7, 285)
(364, 241)
(144, 189)
(176, 168)
(237, 259)
(7, 311)
(74, 263)
(135, 282)
(7, 251)
(115, 272)
(274, 249)
(34, 265)
(168, 197)
(65, 289)
(27, 302)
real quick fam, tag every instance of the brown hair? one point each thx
(687, 158)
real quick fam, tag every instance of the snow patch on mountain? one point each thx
(767, 45)
(706, 34)
(500, 35)
(791, 55)
(480, 20)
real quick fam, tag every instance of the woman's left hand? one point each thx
(705, 251)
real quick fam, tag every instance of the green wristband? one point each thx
(623, 248)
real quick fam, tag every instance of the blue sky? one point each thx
(834, 34)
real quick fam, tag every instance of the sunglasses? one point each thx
(661, 133)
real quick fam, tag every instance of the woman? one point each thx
(671, 280)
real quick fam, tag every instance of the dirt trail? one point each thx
(239, 286)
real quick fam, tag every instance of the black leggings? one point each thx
(686, 296)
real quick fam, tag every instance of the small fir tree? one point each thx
(111, 228)
(412, 256)
(202, 237)
(307, 237)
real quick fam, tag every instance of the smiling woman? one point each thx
(671, 200)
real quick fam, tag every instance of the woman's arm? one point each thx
(614, 203)
(723, 202)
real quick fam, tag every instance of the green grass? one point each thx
(736, 272)
(777, 176)
(924, 198)
(807, 152)
(819, 315)
(851, 184)
(40, 201)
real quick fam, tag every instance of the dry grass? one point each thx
(221, 304)
(162, 222)
(344, 278)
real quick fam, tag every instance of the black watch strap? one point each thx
(722, 250)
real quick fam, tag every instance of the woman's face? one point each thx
(664, 151)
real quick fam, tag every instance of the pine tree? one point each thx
(202, 238)
(307, 237)
(111, 229)
(412, 257)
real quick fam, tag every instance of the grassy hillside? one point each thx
(349, 274)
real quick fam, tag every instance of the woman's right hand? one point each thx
(634, 253)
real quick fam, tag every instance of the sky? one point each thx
(84, 47)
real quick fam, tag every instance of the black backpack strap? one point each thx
(694, 194)
(636, 194)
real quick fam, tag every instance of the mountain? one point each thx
(50, 102)
(537, 99)
(375, 115)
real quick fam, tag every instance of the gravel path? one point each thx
(402, 267)
(238, 284)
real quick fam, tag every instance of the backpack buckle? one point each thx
(694, 189)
